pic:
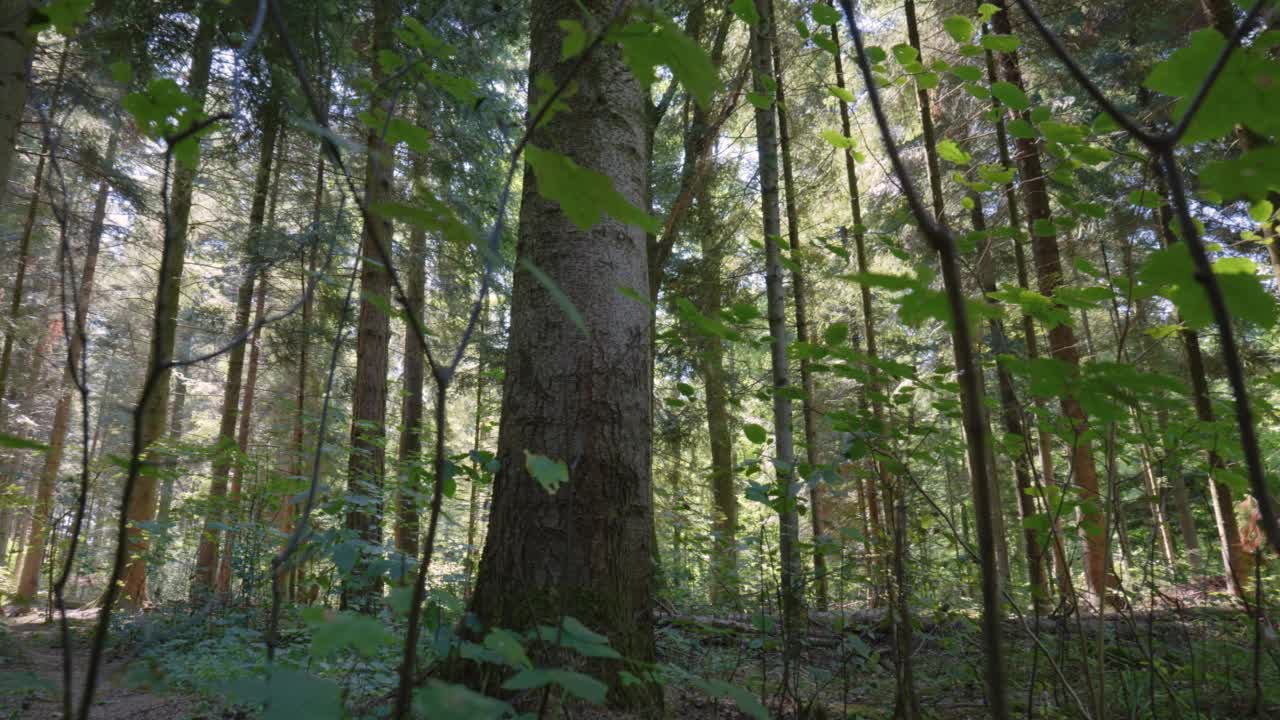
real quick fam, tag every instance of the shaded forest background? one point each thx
(699, 358)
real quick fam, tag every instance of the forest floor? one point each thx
(175, 666)
(31, 675)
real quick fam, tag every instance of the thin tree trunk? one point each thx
(1235, 560)
(227, 451)
(1172, 469)
(817, 492)
(33, 561)
(25, 259)
(870, 489)
(1062, 340)
(473, 503)
(792, 589)
(369, 399)
(583, 549)
(409, 464)
(142, 503)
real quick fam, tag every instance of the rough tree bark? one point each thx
(142, 504)
(585, 549)
(1062, 340)
(33, 561)
(409, 463)
(369, 399)
(17, 43)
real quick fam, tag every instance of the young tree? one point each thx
(792, 590)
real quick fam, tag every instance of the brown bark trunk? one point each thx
(473, 500)
(208, 573)
(369, 399)
(792, 588)
(17, 44)
(870, 489)
(142, 503)
(33, 561)
(585, 549)
(410, 462)
(1062, 340)
(817, 492)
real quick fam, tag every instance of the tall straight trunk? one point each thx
(792, 590)
(583, 549)
(1236, 563)
(141, 509)
(1062, 339)
(473, 500)
(369, 399)
(724, 496)
(255, 353)
(17, 45)
(1172, 470)
(804, 330)
(307, 265)
(409, 464)
(25, 258)
(227, 451)
(870, 491)
(929, 136)
(33, 561)
(1011, 412)
(1044, 442)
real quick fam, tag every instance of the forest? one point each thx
(485, 359)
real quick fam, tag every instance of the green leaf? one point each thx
(550, 474)
(837, 139)
(761, 100)
(67, 14)
(905, 54)
(345, 630)
(1010, 95)
(1244, 93)
(506, 645)
(746, 701)
(685, 389)
(986, 11)
(1145, 198)
(875, 54)
(289, 694)
(13, 442)
(1001, 43)
(836, 333)
(927, 80)
(646, 45)
(121, 72)
(575, 683)
(746, 11)
(841, 93)
(825, 14)
(444, 701)
(1252, 175)
(967, 73)
(755, 433)
(948, 150)
(585, 195)
(959, 27)
(575, 39)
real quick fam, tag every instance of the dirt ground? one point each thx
(32, 668)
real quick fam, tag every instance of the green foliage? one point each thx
(550, 474)
(584, 194)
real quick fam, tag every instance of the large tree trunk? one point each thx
(17, 44)
(141, 508)
(870, 490)
(804, 331)
(33, 561)
(227, 450)
(369, 398)
(792, 589)
(585, 549)
(1062, 339)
